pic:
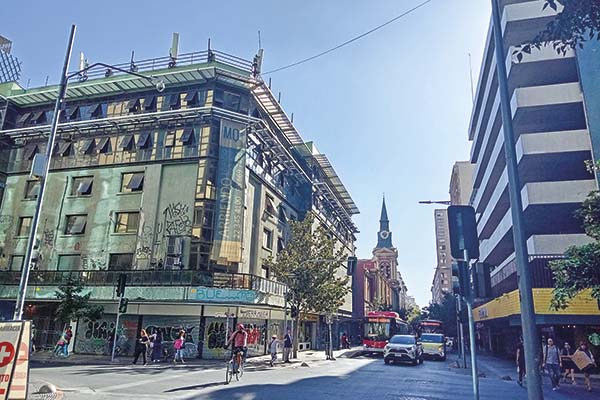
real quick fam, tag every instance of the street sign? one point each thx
(463, 232)
(14, 359)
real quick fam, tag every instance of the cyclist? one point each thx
(239, 340)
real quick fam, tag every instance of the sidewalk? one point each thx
(47, 359)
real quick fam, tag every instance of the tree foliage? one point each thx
(308, 265)
(577, 22)
(445, 312)
(74, 304)
(580, 269)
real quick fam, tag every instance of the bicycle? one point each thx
(231, 366)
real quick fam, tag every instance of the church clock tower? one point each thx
(384, 236)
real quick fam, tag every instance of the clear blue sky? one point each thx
(390, 111)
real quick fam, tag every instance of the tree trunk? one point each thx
(296, 334)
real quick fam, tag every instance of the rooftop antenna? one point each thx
(279, 97)
(471, 75)
(259, 42)
(47, 78)
(292, 118)
(269, 82)
(211, 56)
(83, 64)
(132, 66)
(174, 51)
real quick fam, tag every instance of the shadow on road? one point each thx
(195, 387)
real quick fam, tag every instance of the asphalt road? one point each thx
(359, 378)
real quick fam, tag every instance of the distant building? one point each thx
(442, 279)
(461, 182)
(378, 283)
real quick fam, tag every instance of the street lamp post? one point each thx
(530, 343)
(58, 106)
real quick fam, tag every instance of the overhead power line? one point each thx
(354, 39)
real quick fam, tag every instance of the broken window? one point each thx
(76, 224)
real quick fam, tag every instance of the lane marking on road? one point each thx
(185, 373)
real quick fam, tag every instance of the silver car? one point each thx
(403, 348)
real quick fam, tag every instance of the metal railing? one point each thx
(221, 280)
(159, 63)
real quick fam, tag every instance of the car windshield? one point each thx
(432, 338)
(403, 340)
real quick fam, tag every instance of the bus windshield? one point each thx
(429, 338)
(377, 330)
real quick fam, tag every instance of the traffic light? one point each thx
(352, 262)
(482, 284)
(294, 311)
(120, 291)
(462, 227)
(460, 278)
(123, 302)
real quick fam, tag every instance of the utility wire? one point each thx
(354, 39)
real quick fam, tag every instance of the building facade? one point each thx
(461, 182)
(188, 191)
(442, 278)
(553, 103)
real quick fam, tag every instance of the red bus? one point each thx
(380, 326)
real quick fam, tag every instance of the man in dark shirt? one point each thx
(520, 361)
(287, 346)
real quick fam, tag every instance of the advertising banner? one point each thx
(231, 179)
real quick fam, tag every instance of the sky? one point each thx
(390, 111)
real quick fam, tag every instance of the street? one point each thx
(345, 378)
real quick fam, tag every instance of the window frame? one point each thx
(110, 264)
(267, 239)
(64, 256)
(29, 186)
(126, 187)
(128, 230)
(75, 186)
(67, 231)
(20, 226)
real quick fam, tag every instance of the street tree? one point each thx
(74, 303)
(580, 269)
(308, 265)
(446, 313)
(577, 22)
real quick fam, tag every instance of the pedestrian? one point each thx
(33, 335)
(287, 346)
(591, 363)
(520, 358)
(553, 363)
(568, 364)
(179, 346)
(157, 347)
(67, 336)
(141, 346)
(273, 349)
(345, 343)
(239, 345)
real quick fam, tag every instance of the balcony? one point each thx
(144, 285)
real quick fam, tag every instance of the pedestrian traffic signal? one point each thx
(460, 278)
(121, 285)
(482, 284)
(352, 261)
(123, 302)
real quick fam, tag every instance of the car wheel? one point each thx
(444, 358)
(415, 361)
(386, 361)
(421, 360)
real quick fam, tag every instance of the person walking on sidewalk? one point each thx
(157, 347)
(287, 346)
(568, 364)
(179, 346)
(345, 342)
(141, 346)
(591, 365)
(553, 363)
(520, 357)
(273, 349)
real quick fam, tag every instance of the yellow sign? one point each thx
(509, 304)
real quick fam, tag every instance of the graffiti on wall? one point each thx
(176, 220)
(6, 222)
(93, 261)
(48, 237)
(170, 328)
(215, 338)
(96, 337)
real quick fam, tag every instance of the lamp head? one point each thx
(159, 83)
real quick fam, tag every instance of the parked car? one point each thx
(434, 345)
(403, 348)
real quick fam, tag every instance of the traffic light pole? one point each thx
(472, 345)
(530, 341)
(460, 331)
(112, 355)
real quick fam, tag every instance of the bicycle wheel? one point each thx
(240, 372)
(228, 372)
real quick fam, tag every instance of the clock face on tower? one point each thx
(384, 234)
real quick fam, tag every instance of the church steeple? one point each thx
(384, 236)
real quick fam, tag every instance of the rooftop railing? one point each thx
(220, 280)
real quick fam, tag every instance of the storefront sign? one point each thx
(226, 295)
(14, 359)
(253, 314)
(231, 178)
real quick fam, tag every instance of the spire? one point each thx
(384, 237)
(384, 216)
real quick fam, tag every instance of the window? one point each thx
(30, 152)
(133, 105)
(189, 137)
(88, 146)
(104, 146)
(23, 119)
(268, 239)
(132, 182)
(69, 262)
(175, 101)
(32, 188)
(280, 245)
(120, 262)
(76, 224)
(266, 272)
(269, 207)
(170, 139)
(127, 222)
(282, 215)
(73, 114)
(150, 103)
(64, 149)
(443, 275)
(127, 143)
(144, 141)
(82, 186)
(39, 118)
(192, 98)
(98, 111)
(199, 256)
(16, 263)
(24, 226)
